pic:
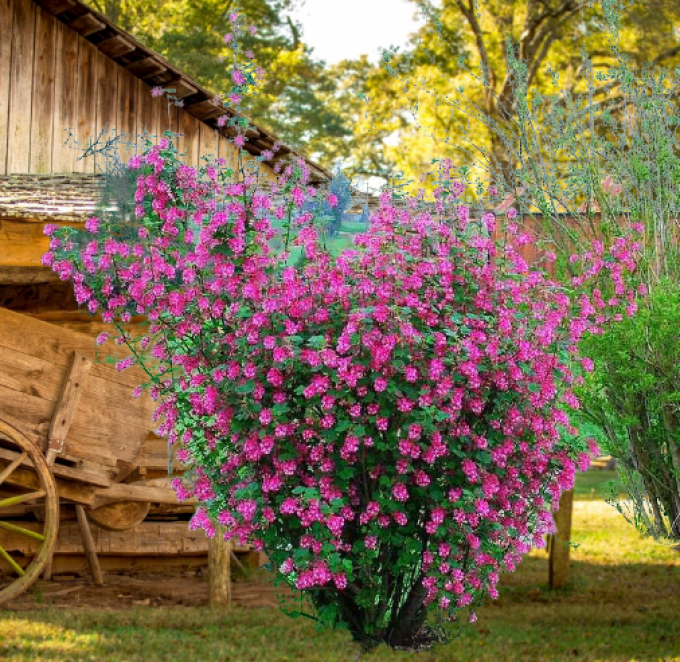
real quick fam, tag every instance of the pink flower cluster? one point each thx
(404, 387)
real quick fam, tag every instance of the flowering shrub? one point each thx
(385, 424)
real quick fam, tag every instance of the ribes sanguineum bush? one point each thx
(386, 424)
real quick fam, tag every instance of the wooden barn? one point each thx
(67, 77)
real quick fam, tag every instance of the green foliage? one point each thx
(190, 35)
(634, 395)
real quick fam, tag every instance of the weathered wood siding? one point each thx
(58, 92)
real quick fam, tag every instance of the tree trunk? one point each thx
(407, 626)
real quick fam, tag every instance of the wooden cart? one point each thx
(70, 432)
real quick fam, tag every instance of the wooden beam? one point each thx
(55, 7)
(182, 88)
(88, 544)
(67, 404)
(205, 110)
(68, 491)
(559, 545)
(86, 25)
(27, 275)
(60, 471)
(116, 46)
(148, 66)
(138, 492)
(219, 570)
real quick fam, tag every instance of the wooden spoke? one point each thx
(21, 498)
(9, 469)
(23, 466)
(15, 566)
(21, 531)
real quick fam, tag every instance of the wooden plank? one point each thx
(188, 141)
(158, 107)
(7, 21)
(87, 438)
(227, 152)
(107, 83)
(21, 87)
(22, 243)
(48, 342)
(86, 104)
(208, 145)
(205, 110)
(154, 455)
(67, 490)
(146, 67)
(43, 93)
(145, 126)
(182, 88)
(56, 6)
(65, 77)
(169, 120)
(74, 563)
(150, 539)
(116, 46)
(60, 471)
(67, 403)
(86, 25)
(27, 275)
(126, 112)
(138, 492)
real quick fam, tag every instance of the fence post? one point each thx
(219, 570)
(559, 549)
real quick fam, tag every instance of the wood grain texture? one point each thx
(126, 113)
(42, 112)
(7, 21)
(208, 147)
(21, 86)
(65, 100)
(145, 539)
(88, 544)
(188, 142)
(107, 116)
(219, 570)
(69, 396)
(146, 120)
(86, 105)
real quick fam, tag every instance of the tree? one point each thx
(543, 33)
(290, 103)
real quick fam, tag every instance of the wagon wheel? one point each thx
(36, 486)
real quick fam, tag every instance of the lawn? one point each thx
(620, 606)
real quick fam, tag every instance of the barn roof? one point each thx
(149, 66)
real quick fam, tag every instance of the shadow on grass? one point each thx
(608, 613)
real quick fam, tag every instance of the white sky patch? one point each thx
(346, 29)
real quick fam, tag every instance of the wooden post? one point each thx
(88, 543)
(219, 570)
(559, 549)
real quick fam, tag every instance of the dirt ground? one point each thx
(189, 589)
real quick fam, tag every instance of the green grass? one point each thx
(621, 605)
(590, 485)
